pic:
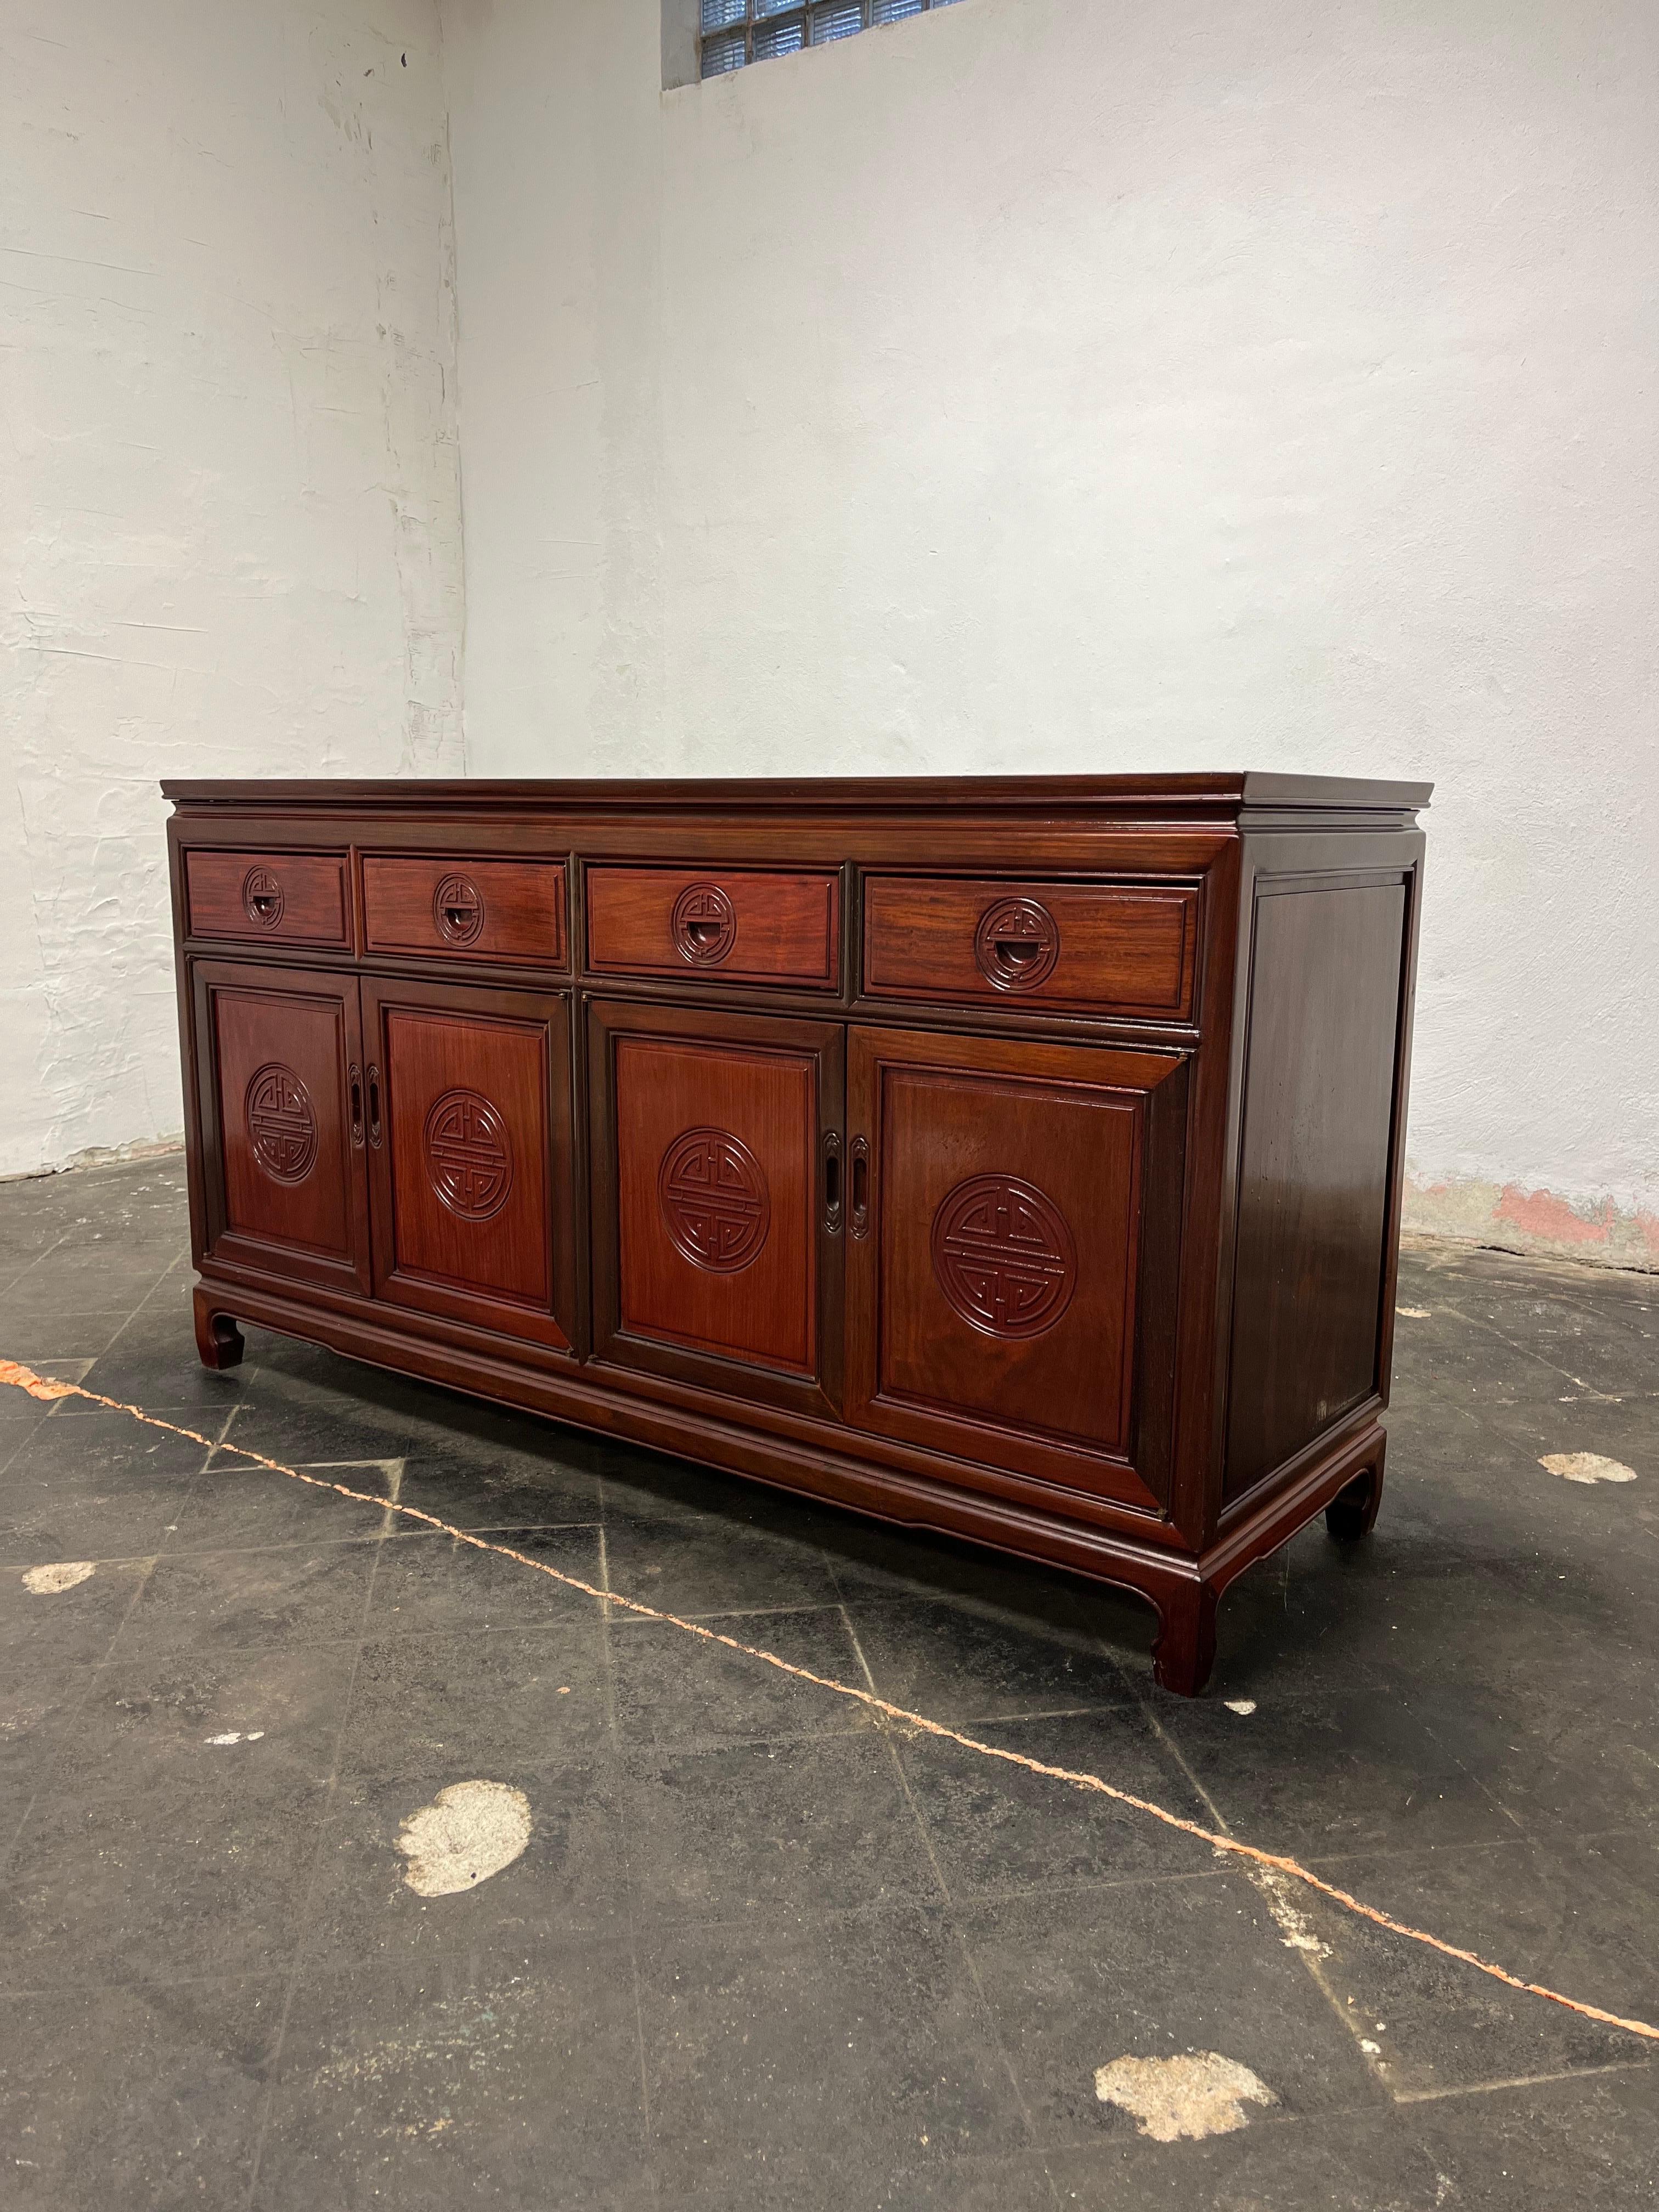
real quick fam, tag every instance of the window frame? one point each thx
(684, 37)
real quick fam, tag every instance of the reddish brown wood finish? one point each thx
(280, 1093)
(1319, 1075)
(1088, 1253)
(277, 898)
(995, 1264)
(1077, 947)
(468, 1152)
(458, 908)
(714, 924)
(707, 1139)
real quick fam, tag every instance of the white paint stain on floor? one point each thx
(1243, 1706)
(469, 1831)
(63, 1574)
(1586, 1467)
(235, 1735)
(1414, 1313)
(1197, 2093)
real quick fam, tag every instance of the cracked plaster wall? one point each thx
(1064, 384)
(229, 490)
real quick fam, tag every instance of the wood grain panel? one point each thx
(463, 908)
(1082, 947)
(716, 1182)
(747, 927)
(473, 1214)
(1314, 1167)
(278, 898)
(285, 1186)
(995, 1291)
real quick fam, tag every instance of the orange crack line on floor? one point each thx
(42, 1387)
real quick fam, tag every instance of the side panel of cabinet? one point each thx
(469, 1155)
(1322, 1067)
(716, 1250)
(1013, 1254)
(279, 1093)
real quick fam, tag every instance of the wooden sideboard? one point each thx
(1019, 1159)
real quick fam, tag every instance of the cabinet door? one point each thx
(279, 1094)
(1013, 1249)
(469, 1151)
(716, 1200)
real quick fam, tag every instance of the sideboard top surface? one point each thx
(1206, 797)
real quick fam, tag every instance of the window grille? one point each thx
(732, 33)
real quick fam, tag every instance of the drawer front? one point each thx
(282, 898)
(1082, 948)
(726, 924)
(507, 911)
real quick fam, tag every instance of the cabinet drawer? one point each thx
(288, 898)
(507, 911)
(730, 923)
(1087, 948)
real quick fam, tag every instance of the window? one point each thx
(732, 33)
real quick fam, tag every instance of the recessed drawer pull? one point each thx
(1017, 944)
(704, 925)
(460, 910)
(262, 895)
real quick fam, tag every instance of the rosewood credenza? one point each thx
(1020, 1159)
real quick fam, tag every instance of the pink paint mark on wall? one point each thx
(1544, 1216)
(1648, 1228)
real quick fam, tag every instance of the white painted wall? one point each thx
(1076, 384)
(229, 503)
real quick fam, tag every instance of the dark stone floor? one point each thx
(759, 1952)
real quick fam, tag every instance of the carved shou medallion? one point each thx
(469, 1155)
(1004, 1255)
(1017, 944)
(457, 909)
(281, 1125)
(262, 897)
(714, 1200)
(704, 925)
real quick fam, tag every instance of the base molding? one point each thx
(1183, 1589)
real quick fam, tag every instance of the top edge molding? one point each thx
(1207, 795)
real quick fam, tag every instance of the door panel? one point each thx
(469, 1155)
(1013, 1216)
(277, 1058)
(713, 1246)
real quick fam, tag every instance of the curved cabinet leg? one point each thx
(1350, 1514)
(218, 1340)
(1185, 1650)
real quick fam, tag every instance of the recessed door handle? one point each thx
(859, 1152)
(374, 1108)
(357, 1074)
(832, 1181)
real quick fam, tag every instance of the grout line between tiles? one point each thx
(1270, 1886)
(324, 1818)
